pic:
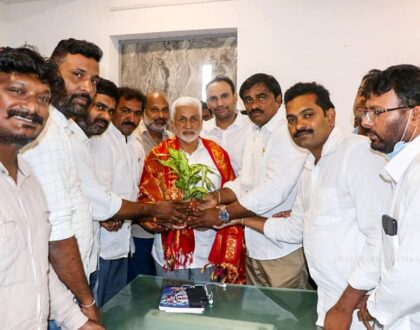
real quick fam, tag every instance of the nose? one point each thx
(366, 122)
(130, 116)
(89, 87)
(106, 115)
(161, 114)
(219, 102)
(31, 104)
(300, 123)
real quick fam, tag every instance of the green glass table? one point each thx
(241, 307)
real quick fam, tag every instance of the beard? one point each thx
(188, 138)
(8, 137)
(157, 125)
(74, 104)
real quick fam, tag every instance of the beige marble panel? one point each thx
(174, 66)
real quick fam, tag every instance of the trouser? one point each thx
(142, 261)
(188, 274)
(112, 278)
(286, 272)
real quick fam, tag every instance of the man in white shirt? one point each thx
(51, 159)
(334, 214)
(181, 252)
(228, 128)
(118, 163)
(391, 120)
(271, 165)
(29, 287)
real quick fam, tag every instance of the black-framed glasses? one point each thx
(370, 115)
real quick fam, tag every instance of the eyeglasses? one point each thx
(370, 115)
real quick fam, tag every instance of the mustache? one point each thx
(101, 120)
(129, 123)
(35, 118)
(254, 111)
(303, 131)
(81, 95)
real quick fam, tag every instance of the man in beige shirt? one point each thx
(29, 287)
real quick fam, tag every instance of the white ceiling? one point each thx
(11, 2)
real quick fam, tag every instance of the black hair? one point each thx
(133, 94)
(107, 87)
(221, 78)
(27, 60)
(404, 79)
(322, 94)
(74, 46)
(269, 81)
(365, 81)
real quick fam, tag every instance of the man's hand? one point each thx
(175, 212)
(208, 202)
(282, 214)
(363, 313)
(154, 227)
(92, 325)
(204, 219)
(338, 318)
(230, 223)
(112, 225)
(91, 312)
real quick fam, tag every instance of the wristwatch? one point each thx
(223, 214)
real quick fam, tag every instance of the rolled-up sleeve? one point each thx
(63, 309)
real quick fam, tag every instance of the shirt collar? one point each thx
(77, 131)
(399, 164)
(23, 167)
(117, 133)
(273, 124)
(59, 117)
(329, 147)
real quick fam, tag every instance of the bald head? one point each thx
(156, 113)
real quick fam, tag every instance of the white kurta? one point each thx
(232, 139)
(395, 302)
(271, 165)
(118, 164)
(337, 215)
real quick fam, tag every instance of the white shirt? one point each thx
(52, 161)
(29, 287)
(203, 239)
(395, 302)
(271, 165)
(232, 139)
(104, 203)
(337, 212)
(118, 165)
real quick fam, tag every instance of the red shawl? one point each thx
(157, 183)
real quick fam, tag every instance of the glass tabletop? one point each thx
(234, 307)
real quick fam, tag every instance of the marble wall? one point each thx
(174, 66)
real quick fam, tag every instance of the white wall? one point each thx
(3, 26)
(331, 42)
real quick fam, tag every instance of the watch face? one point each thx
(224, 215)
